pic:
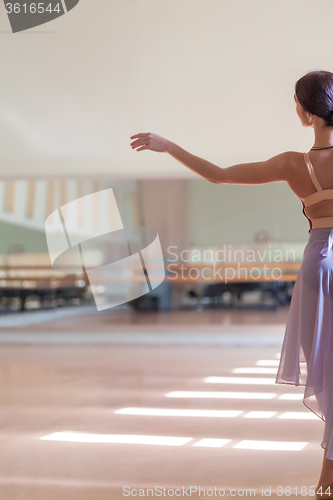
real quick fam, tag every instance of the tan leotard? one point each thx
(320, 195)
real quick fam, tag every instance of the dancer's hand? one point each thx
(150, 141)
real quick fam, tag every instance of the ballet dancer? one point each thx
(308, 340)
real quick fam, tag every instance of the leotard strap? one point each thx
(312, 174)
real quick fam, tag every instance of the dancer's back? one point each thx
(311, 179)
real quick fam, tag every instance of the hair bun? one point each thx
(314, 92)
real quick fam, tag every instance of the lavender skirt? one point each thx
(307, 350)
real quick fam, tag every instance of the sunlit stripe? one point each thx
(220, 395)
(240, 380)
(9, 196)
(271, 445)
(262, 371)
(50, 197)
(212, 443)
(260, 414)
(31, 197)
(63, 192)
(79, 437)
(291, 396)
(175, 412)
(267, 362)
(96, 206)
(299, 415)
(80, 194)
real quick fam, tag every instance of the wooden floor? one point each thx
(78, 422)
(84, 421)
(106, 320)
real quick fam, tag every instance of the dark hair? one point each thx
(314, 92)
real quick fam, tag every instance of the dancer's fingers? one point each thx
(138, 136)
(150, 141)
(138, 143)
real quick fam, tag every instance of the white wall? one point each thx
(215, 76)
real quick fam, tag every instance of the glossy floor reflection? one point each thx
(83, 422)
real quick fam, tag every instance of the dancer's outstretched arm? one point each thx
(274, 169)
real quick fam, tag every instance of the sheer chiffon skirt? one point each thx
(307, 350)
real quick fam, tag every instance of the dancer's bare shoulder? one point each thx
(297, 175)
